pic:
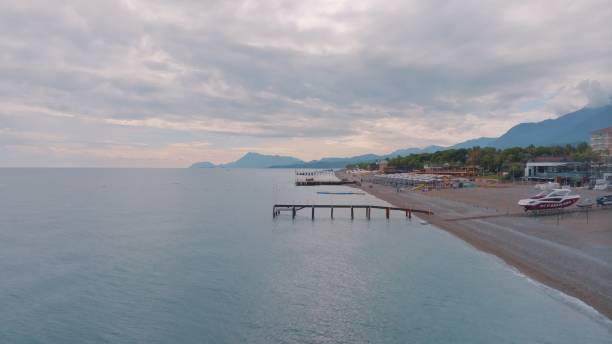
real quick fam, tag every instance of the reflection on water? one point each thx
(157, 256)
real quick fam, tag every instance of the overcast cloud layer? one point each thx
(168, 83)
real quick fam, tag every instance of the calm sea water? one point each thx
(186, 256)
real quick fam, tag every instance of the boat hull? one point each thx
(552, 205)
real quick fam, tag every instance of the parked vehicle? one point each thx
(604, 200)
(585, 203)
(601, 184)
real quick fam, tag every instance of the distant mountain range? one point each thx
(408, 151)
(571, 128)
(479, 142)
(253, 160)
(203, 164)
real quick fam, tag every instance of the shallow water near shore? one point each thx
(158, 256)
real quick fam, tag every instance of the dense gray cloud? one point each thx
(164, 83)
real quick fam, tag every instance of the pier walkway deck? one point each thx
(294, 208)
(322, 182)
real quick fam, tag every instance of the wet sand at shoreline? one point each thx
(569, 252)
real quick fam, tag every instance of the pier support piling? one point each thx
(294, 208)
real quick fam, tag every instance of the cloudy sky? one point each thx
(169, 83)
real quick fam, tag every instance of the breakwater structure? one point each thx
(294, 208)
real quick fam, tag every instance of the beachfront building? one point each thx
(383, 165)
(601, 142)
(558, 170)
(448, 169)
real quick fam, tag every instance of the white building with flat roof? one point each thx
(556, 170)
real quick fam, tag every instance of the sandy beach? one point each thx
(571, 252)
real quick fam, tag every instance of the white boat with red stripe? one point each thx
(554, 199)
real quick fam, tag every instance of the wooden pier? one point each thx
(294, 208)
(314, 177)
(322, 182)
